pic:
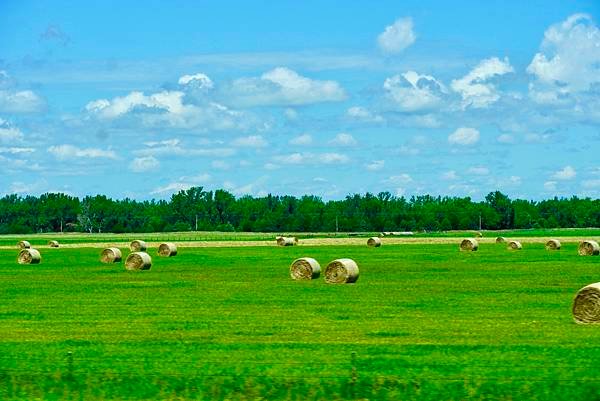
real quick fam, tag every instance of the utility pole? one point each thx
(479, 221)
(336, 224)
(196, 222)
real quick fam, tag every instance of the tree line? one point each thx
(202, 210)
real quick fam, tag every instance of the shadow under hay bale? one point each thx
(341, 271)
(586, 305)
(167, 249)
(29, 256)
(514, 246)
(553, 245)
(305, 269)
(138, 261)
(138, 246)
(588, 248)
(111, 255)
(469, 244)
(53, 244)
(374, 242)
(23, 245)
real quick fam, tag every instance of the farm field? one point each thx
(424, 321)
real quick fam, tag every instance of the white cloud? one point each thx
(167, 109)
(199, 80)
(375, 165)
(567, 173)
(450, 175)
(479, 170)
(475, 89)
(171, 188)
(65, 152)
(13, 100)
(397, 37)
(408, 150)
(282, 86)
(304, 139)
(252, 141)
(411, 91)
(343, 139)
(173, 147)
(403, 178)
(362, 114)
(591, 184)
(10, 134)
(220, 165)
(506, 138)
(291, 114)
(16, 150)
(464, 136)
(550, 185)
(569, 58)
(166, 142)
(143, 164)
(312, 158)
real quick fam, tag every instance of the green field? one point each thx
(423, 322)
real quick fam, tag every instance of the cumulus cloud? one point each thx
(375, 165)
(66, 152)
(252, 141)
(464, 136)
(199, 80)
(343, 139)
(412, 92)
(567, 173)
(280, 87)
(184, 183)
(403, 178)
(312, 158)
(16, 150)
(362, 114)
(13, 100)
(550, 185)
(143, 164)
(479, 170)
(450, 175)
(506, 138)
(304, 139)
(9, 134)
(397, 37)
(475, 88)
(168, 109)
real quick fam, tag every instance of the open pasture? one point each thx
(424, 321)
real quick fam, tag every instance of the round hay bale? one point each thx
(305, 269)
(374, 242)
(295, 240)
(138, 246)
(286, 241)
(553, 245)
(138, 261)
(500, 240)
(341, 271)
(29, 256)
(514, 246)
(589, 248)
(23, 244)
(586, 305)
(167, 249)
(111, 255)
(53, 244)
(469, 244)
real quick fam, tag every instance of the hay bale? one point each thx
(138, 261)
(586, 305)
(589, 248)
(23, 244)
(381, 234)
(374, 242)
(167, 249)
(553, 245)
(53, 244)
(341, 271)
(138, 246)
(514, 246)
(287, 241)
(29, 256)
(500, 240)
(469, 244)
(403, 233)
(479, 234)
(305, 269)
(111, 255)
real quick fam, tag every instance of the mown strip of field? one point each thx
(425, 321)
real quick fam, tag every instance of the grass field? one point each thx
(424, 321)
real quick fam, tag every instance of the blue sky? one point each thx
(324, 98)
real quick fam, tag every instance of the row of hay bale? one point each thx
(339, 271)
(396, 233)
(27, 244)
(585, 248)
(138, 259)
(286, 241)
